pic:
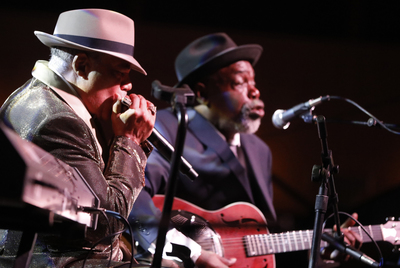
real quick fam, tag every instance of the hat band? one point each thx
(99, 43)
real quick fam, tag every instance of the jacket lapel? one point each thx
(251, 151)
(249, 148)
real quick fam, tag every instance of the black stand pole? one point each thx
(326, 194)
(179, 99)
(25, 250)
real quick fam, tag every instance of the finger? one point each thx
(116, 108)
(350, 221)
(151, 108)
(228, 262)
(125, 116)
(232, 261)
(352, 238)
(135, 101)
(349, 237)
(334, 254)
(143, 103)
(326, 252)
(140, 104)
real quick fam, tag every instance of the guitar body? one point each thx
(230, 223)
(240, 231)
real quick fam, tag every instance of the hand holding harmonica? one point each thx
(126, 102)
(133, 117)
(127, 112)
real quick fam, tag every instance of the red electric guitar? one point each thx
(239, 230)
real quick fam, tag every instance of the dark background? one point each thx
(349, 49)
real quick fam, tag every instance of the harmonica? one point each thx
(126, 103)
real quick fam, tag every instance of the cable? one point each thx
(376, 120)
(118, 216)
(128, 226)
(102, 211)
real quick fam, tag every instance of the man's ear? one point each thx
(81, 65)
(201, 94)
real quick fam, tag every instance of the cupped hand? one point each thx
(137, 122)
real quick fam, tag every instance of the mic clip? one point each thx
(171, 94)
(308, 116)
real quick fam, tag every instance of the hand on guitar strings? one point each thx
(210, 259)
(350, 237)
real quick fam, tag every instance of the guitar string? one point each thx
(299, 235)
(277, 240)
(275, 243)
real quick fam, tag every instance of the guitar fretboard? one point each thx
(263, 244)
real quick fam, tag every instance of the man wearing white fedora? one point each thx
(71, 108)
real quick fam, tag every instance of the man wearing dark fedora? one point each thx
(71, 108)
(233, 164)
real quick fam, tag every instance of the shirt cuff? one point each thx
(176, 237)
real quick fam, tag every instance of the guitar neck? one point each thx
(257, 245)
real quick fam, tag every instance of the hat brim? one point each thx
(249, 53)
(54, 41)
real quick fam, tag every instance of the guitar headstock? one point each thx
(390, 232)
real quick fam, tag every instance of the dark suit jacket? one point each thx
(222, 179)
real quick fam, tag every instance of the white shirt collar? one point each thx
(236, 140)
(66, 91)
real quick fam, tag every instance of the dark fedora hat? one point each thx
(210, 53)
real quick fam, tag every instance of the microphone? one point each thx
(281, 118)
(347, 249)
(165, 148)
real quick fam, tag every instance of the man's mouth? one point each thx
(256, 113)
(255, 109)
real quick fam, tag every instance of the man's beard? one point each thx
(245, 122)
(249, 126)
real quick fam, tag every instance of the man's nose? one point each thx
(253, 93)
(126, 84)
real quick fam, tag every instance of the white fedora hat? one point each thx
(98, 30)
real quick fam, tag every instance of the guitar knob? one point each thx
(390, 219)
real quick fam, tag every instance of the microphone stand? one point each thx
(327, 192)
(178, 97)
